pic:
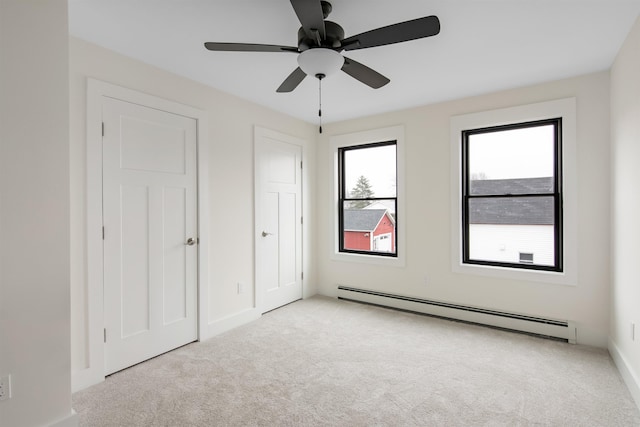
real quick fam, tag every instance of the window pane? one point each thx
(370, 172)
(371, 228)
(503, 228)
(514, 161)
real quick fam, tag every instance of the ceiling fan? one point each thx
(320, 43)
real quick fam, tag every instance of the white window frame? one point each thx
(565, 108)
(393, 133)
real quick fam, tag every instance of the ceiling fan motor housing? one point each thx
(326, 8)
(333, 39)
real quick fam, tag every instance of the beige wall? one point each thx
(428, 272)
(231, 123)
(625, 210)
(34, 213)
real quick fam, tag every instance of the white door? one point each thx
(278, 219)
(382, 243)
(149, 216)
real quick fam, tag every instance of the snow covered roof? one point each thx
(362, 219)
(516, 210)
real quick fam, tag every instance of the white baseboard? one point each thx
(69, 421)
(230, 322)
(630, 377)
(85, 378)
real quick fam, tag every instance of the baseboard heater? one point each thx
(558, 329)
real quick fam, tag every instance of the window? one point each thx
(526, 257)
(512, 195)
(367, 205)
(385, 177)
(565, 109)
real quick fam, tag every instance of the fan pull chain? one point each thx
(320, 77)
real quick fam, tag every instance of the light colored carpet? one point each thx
(325, 362)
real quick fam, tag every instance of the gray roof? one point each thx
(362, 219)
(513, 211)
(512, 186)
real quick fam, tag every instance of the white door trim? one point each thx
(261, 133)
(96, 90)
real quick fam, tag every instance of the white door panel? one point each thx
(269, 244)
(288, 229)
(140, 138)
(149, 190)
(175, 265)
(134, 278)
(278, 220)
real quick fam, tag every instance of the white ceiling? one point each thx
(483, 46)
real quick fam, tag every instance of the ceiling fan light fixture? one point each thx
(320, 61)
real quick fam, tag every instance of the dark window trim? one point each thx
(556, 194)
(342, 191)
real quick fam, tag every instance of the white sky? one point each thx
(518, 153)
(377, 164)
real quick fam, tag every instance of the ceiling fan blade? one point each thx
(396, 33)
(364, 74)
(311, 17)
(248, 47)
(292, 82)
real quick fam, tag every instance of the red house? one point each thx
(369, 230)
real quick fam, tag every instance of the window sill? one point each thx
(540, 276)
(368, 259)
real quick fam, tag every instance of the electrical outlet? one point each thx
(5, 387)
(240, 288)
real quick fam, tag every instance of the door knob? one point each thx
(190, 241)
(265, 234)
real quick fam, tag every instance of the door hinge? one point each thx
(102, 233)
(105, 335)
(301, 220)
(302, 276)
(300, 165)
(102, 128)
